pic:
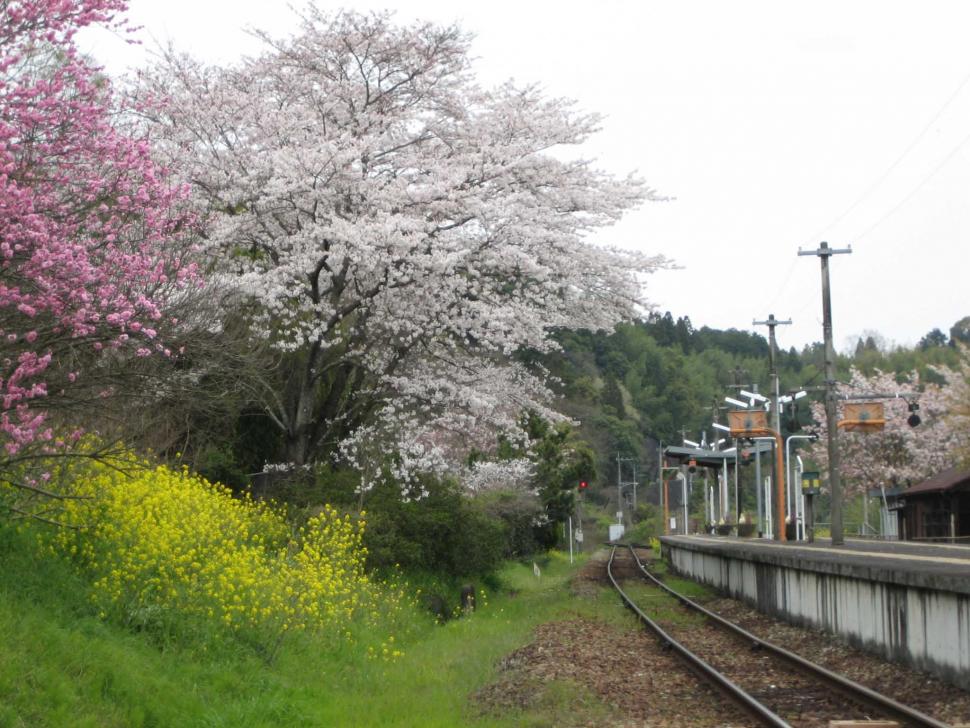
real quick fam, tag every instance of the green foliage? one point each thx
(442, 532)
(323, 483)
(217, 464)
(960, 332)
(562, 461)
(518, 513)
(934, 338)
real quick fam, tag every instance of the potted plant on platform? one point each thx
(723, 529)
(745, 526)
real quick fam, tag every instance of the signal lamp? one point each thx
(914, 419)
(583, 485)
(691, 466)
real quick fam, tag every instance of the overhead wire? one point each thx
(885, 175)
(916, 189)
(877, 183)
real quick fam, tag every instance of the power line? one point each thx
(882, 178)
(784, 284)
(916, 189)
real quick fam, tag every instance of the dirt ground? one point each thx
(638, 683)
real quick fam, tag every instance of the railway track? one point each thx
(774, 686)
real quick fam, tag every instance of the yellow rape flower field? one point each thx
(167, 551)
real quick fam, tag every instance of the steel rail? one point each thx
(852, 689)
(736, 693)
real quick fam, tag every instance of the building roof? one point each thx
(711, 458)
(947, 480)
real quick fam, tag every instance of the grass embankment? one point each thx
(65, 665)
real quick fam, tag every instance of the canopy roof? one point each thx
(712, 458)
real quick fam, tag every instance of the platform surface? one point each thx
(924, 565)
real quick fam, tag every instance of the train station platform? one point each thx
(906, 601)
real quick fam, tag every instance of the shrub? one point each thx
(519, 512)
(441, 532)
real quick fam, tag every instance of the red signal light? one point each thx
(583, 484)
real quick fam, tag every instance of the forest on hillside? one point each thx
(661, 380)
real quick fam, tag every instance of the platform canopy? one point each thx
(712, 458)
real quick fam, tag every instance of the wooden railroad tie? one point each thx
(864, 724)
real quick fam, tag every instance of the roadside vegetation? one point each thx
(67, 662)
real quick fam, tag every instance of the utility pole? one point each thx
(634, 515)
(619, 491)
(620, 483)
(771, 323)
(824, 252)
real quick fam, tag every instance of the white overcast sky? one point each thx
(775, 125)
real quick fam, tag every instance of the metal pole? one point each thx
(757, 474)
(793, 489)
(757, 479)
(824, 252)
(788, 479)
(570, 539)
(772, 323)
(707, 496)
(666, 498)
(619, 494)
(660, 470)
(737, 508)
(778, 478)
(780, 487)
(722, 491)
(579, 519)
(769, 518)
(683, 480)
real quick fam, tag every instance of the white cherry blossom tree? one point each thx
(399, 232)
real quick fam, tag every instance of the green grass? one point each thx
(62, 666)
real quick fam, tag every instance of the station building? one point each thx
(938, 509)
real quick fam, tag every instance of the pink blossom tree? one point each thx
(899, 454)
(397, 231)
(88, 224)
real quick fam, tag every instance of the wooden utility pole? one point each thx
(835, 484)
